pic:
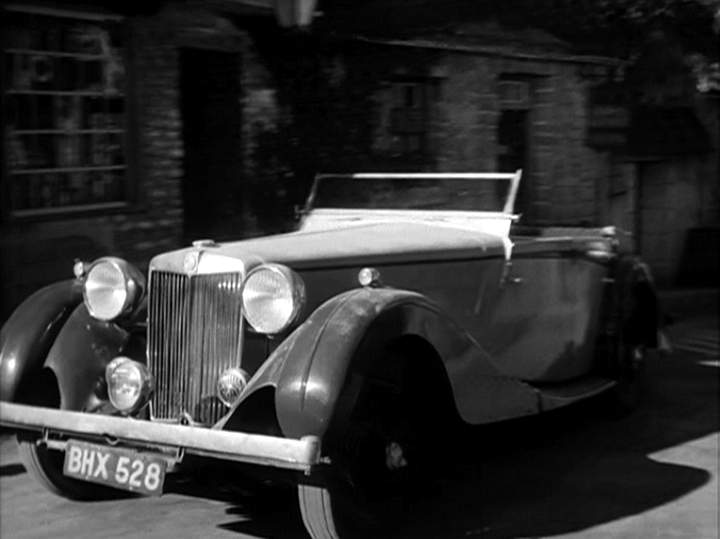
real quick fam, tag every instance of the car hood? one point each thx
(373, 243)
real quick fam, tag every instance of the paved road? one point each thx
(574, 473)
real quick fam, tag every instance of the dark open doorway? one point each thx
(512, 139)
(210, 105)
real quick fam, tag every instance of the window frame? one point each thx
(402, 113)
(126, 131)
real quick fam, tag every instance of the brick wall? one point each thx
(158, 165)
(313, 105)
(566, 182)
(34, 253)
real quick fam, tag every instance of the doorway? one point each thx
(667, 203)
(512, 140)
(211, 113)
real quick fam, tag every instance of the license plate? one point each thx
(120, 468)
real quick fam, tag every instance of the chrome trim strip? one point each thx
(512, 195)
(205, 262)
(428, 175)
(288, 453)
(513, 177)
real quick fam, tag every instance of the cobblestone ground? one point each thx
(699, 335)
(574, 473)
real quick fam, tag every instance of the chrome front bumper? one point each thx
(279, 452)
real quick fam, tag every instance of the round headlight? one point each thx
(272, 297)
(112, 288)
(230, 385)
(129, 384)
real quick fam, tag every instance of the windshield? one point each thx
(430, 191)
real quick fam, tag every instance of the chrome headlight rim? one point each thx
(230, 385)
(297, 297)
(133, 287)
(145, 387)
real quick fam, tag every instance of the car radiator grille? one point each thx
(194, 333)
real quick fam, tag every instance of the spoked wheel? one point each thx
(367, 488)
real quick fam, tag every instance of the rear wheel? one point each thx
(635, 325)
(629, 377)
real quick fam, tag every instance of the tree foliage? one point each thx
(608, 27)
(619, 27)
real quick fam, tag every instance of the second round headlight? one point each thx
(272, 297)
(129, 384)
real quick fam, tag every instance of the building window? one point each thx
(64, 115)
(408, 117)
(514, 94)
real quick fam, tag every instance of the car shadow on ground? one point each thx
(566, 471)
(7, 470)
(577, 468)
(257, 511)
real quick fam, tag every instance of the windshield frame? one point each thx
(508, 207)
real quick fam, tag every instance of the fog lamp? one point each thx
(230, 385)
(129, 384)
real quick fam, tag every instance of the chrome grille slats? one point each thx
(194, 333)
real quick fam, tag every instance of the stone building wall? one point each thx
(34, 252)
(566, 181)
(562, 173)
(158, 148)
(310, 104)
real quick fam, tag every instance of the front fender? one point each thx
(27, 336)
(308, 370)
(79, 355)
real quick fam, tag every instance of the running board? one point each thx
(561, 394)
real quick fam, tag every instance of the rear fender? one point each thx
(309, 369)
(27, 336)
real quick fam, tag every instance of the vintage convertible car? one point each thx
(339, 357)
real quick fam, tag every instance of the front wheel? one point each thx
(46, 467)
(364, 497)
(373, 475)
(384, 452)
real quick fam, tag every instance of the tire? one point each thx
(384, 450)
(636, 327)
(317, 513)
(366, 492)
(46, 467)
(627, 394)
(340, 508)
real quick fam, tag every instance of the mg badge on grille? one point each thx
(190, 263)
